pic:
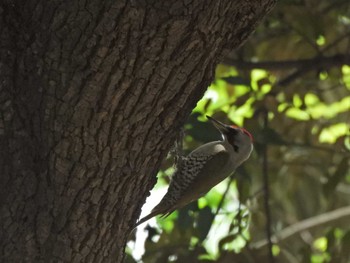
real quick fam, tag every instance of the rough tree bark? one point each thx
(92, 95)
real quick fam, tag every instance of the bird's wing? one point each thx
(194, 177)
(208, 175)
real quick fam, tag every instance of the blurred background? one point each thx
(289, 85)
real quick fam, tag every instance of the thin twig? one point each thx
(238, 217)
(267, 195)
(223, 197)
(220, 204)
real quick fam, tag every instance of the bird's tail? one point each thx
(147, 217)
(160, 209)
(142, 220)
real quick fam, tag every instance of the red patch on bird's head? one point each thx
(248, 133)
(244, 131)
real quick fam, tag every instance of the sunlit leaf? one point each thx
(321, 244)
(297, 114)
(319, 110)
(213, 197)
(282, 107)
(276, 250)
(321, 40)
(297, 102)
(323, 75)
(347, 142)
(311, 99)
(346, 75)
(331, 133)
(256, 76)
(225, 71)
(319, 258)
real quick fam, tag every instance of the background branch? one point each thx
(306, 224)
(319, 62)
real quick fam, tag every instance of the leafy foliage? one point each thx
(290, 86)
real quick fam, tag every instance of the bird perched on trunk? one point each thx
(204, 168)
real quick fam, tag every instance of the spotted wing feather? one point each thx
(193, 178)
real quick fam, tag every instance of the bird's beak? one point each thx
(223, 128)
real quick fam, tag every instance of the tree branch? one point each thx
(306, 224)
(319, 62)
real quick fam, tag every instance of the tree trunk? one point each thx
(92, 96)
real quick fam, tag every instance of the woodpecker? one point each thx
(204, 168)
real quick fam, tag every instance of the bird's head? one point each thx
(240, 139)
